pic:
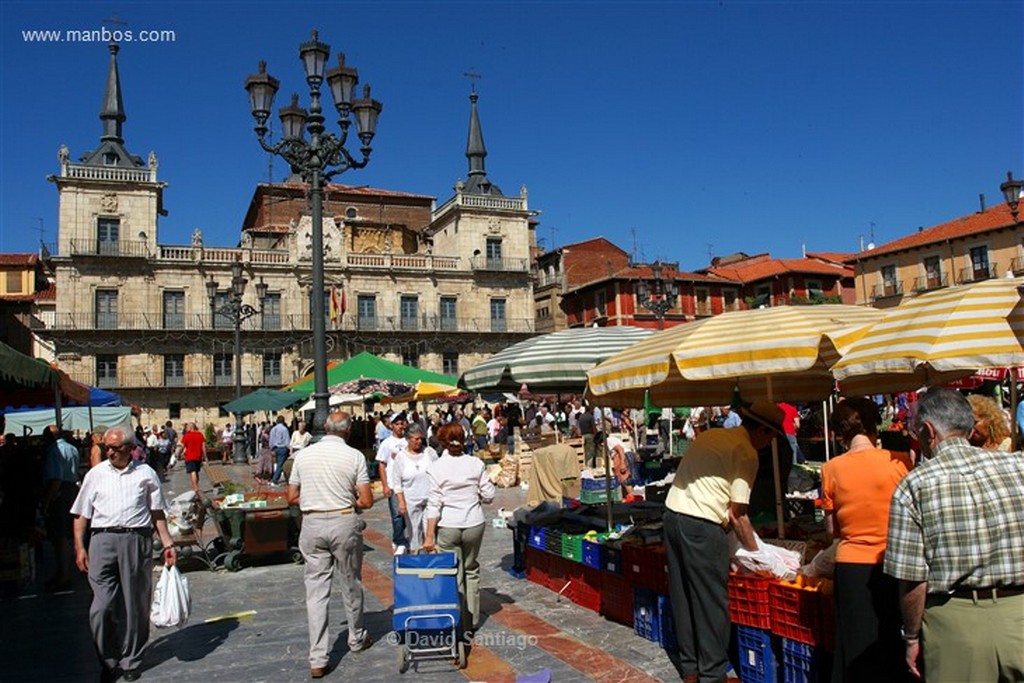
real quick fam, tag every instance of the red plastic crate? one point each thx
(559, 573)
(616, 598)
(749, 602)
(646, 566)
(537, 565)
(585, 589)
(796, 612)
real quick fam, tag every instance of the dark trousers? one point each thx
(397, 522)
(868, 643)
(698, 569)
(280, 455)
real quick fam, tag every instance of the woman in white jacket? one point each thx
(408, 480)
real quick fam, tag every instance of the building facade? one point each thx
(436, 287)
(979, 246)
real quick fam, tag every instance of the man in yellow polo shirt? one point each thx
(709, 495)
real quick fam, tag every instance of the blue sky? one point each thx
(683, 128)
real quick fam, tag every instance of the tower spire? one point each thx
(476, 152)
(112, 114)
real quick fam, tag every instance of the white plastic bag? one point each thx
(171, 600)
(823, 563)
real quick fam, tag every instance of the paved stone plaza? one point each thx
(527, 628)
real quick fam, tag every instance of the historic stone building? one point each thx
(436, 287)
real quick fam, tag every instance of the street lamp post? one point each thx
(1012, 191)
(316, 161)
(659, 298)
(236, 311)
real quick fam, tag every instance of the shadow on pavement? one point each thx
(189, 644)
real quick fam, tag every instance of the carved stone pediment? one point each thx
(332, 239)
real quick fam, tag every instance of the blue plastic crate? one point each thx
(757, 659)
(667, 627)
(592, 554)
(646, 622)
(593, 484)
(537, 537)
(799, 662)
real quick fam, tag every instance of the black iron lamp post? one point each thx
(236, 311)
(316, 161)
(1012, 190)
(660, 298)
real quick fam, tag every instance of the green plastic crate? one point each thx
(572, 547)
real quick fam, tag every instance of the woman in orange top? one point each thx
(856, 489)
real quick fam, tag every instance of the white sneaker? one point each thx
(400, 550)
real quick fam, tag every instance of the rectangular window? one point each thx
(408, 306)
(890, 286)
(815, 292)
(366, 306)
(762, 296)
(729, 299)
(14, 282)
(498, 321)
(411, 358)
(271, 368)
(494, 261)
(450, 363)
(108, 231)
(106, 309)
(174, 310)
(174, 411)
(933, 272)
(174, 370)
(979, 263)
(270, 311)
(221, 312)
(327, 306)
(449, 321)
(106, 371)
(701, 304)
(600, 303)
(223, 369)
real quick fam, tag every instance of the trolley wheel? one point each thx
(233, 561)
(462, 655)
(403, 659)
(297, 557)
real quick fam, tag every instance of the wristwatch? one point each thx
(909, 637)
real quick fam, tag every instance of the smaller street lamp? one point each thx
(659, 298)
(236, 311)
(1012, 190)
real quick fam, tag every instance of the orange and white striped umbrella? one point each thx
(782, 353)
(937, 337)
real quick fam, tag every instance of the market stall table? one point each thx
(256, 524)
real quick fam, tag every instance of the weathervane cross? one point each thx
(472, 75)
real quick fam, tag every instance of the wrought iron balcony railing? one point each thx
(924, 283)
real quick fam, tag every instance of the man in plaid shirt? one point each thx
(956, 543)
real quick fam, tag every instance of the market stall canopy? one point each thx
(102, 397)
(335, 400)
(77, 418)
(30, 382)
(552, 362)
(367, 365)
(782, 353)
(938, 337)
(263, 399)
(427, 391)
(367, 386)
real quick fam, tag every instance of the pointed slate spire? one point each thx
(475, 152)
(112, 113)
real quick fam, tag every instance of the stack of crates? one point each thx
(749, 601)
(758, 663)
(652, 618)
(646, 566)
(796, 610)
(595, 491)
(616, 598)
(801, 663)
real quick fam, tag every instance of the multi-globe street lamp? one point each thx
(658, 299)
(234, 310)
(316, 161)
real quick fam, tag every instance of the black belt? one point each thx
(142, 530)
(986, 593)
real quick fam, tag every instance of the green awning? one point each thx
(263, 399)
(366, 365)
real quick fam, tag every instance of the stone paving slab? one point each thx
(526, 628)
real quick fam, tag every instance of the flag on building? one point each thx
(343, 302)
(337, 308)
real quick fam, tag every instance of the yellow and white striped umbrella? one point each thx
(938, 337)
(782, 353)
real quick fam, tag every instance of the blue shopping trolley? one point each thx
(427, 611)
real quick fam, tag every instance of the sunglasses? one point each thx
(115, 448)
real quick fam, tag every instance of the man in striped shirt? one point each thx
(120, 503)
(956, 543)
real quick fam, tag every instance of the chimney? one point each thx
(981, 200)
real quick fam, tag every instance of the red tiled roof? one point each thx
(833, 256)
(350, 189)
(995, 217)
(18, 259)
(48, 294)
(760, 270)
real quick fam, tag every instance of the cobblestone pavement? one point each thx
(251, 625)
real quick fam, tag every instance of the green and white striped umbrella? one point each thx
(552, 362)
